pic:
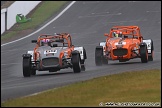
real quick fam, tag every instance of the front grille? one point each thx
(50, 61)
(120, 52)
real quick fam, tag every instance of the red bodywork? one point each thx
(126, 47)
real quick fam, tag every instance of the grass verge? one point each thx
(39, 15)
(134, 86)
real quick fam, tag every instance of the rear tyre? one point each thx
(76, 62)
(104, 60)
(84, 53)
(26, 67)
(82, 67)
(98, 55)
(144, 54)
(33, 72)
(150, 56)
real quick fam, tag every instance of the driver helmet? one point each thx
(118, 34)
(45, 42)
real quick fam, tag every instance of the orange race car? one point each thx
(52, 53)
(124, 43)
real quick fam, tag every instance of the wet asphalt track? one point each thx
(86, 21)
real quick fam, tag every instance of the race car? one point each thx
(124, 43)
(52, 53)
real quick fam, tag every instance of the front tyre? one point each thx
(33, 72)
(144, 53)
(26, 67)
(98, 55)
(76, 62)
(104, 60)
(82, 67)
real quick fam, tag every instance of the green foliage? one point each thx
(45, 10)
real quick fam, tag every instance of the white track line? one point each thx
(9, 64)
(43, 26)
(99, 15)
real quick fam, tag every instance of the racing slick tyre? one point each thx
(150, 56)
(76, 62)
(99, 58)
(84, 53)
(26, 67)
(104, 61)
(82, 67)
(33, 72)
(144, 53)
(98, 55)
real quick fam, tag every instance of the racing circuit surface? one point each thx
(86, 21)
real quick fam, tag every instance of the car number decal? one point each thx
(123, 43)
(50, 51)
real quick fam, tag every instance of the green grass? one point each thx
(9, 35)
(143, 86)
(47, 9)
(137, 86)
(40, 15)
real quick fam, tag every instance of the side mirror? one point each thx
(34, 41)
(106, 34)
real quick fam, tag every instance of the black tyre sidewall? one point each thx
(76, 63)
(33, 72)
(82, 67)
(98, 56)
(104, 60)
(26, 67)
(143, 53)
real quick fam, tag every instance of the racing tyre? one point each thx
(26, 67)
(144, 54)
(84, 56)
(33, 72)
(104, 61)
(98, 55)
(82, 67)
(84, 53)
(76, 62)
(150, 56)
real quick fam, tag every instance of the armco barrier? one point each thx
(8, 15)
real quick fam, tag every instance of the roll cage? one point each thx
(133, 31)
(63, 38)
